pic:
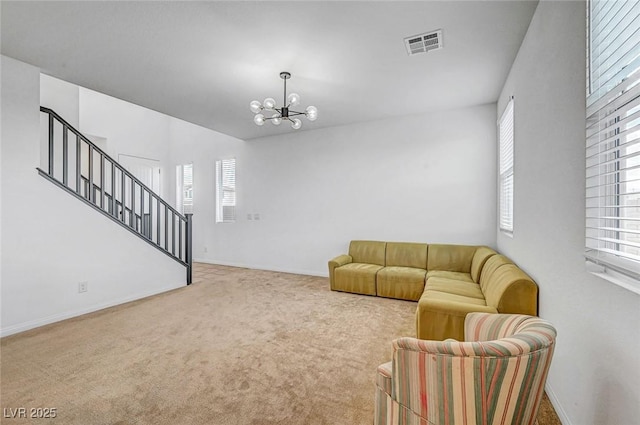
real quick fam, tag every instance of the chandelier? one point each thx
(285, 112)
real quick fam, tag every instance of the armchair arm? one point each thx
(340, 260)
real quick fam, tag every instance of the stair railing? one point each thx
(81, 168)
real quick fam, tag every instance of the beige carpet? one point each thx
(237, 347)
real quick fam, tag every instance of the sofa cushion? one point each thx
(453, 258)
(440, 316)
(456, 287)
(452, 297)
(406, 254)
(443, 274)
(510, 290)
(368, 252)
(405, 283)
(480, 258)
(356, 277)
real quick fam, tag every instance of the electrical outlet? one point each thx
(83, 287)
(249, 216)
(256, 216)
(206, 249)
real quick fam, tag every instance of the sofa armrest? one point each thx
(510, 290)
(340, 260)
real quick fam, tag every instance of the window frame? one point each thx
(221, 191)
(506, 166)
(181, 206)
(612, 135)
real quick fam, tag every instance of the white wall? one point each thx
(48, 237)
(62, 97)
(191, 143)
(130, 130)
(595, 375)
(428, 178)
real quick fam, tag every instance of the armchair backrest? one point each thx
(482, 380)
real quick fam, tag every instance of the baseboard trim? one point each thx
(22, 327)
(562, 414)
(260, 267)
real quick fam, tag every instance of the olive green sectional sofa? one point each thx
(448, 281)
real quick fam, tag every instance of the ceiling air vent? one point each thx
(423, 43)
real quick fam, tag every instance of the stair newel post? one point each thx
(188, 249)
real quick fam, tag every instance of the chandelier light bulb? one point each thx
(312, 113)
(258, 119)
(255, 106)
(276, 119)
(293, 99)
(269, 103)
(296, 123)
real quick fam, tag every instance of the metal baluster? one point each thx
(65, 154)
(188, 248)
(122, 192)
(133, 203)
(102, 181)
(78, 164)
(158, 220)
(91, 194)
(173, 233)
(114, 209)
(180, 238)
(150, 228)
(166, 227)
(142, 210)
(51, 145)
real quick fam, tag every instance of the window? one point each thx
(613, 141)
(226, 190)
(184, 188)
(506, 168)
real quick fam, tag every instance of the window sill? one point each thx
(614, 277)
(507, 233)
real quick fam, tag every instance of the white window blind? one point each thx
(184, 188)
(226, 190)
(506, 168)
(613, 137)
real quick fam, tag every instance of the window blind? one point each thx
(613, 136)
(184, 188)
(187, 189)
(226, 190)
(506, 168)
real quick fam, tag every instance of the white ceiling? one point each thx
(204, 62)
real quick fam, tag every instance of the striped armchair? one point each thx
(496, 377)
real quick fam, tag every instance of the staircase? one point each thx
(78, 166)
